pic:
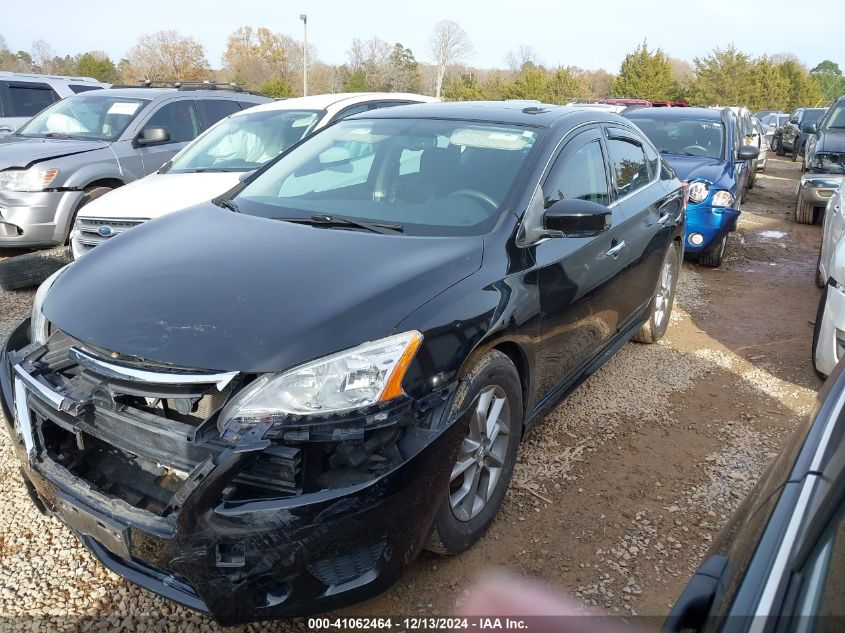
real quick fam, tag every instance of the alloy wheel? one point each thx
(663, 298)
(478, 469)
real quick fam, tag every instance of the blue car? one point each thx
(704, 146)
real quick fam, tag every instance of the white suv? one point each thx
(23, 95)
(216, 161)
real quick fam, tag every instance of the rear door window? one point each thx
(212, 110)
(628, 165)
(28, 99)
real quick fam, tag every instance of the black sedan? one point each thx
(266, 406)
(779, 564)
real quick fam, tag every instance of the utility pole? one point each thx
(304, 19)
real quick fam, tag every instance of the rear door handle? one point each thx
(664, 217)
(615, 250)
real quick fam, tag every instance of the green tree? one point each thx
(463, 88)
(98, 66)
(828, 77)
(769, 88)
(530, 83)
(564, 86)
(646, 75)
(802, 89)
(276, 88)
(357, 82)
(725, 77)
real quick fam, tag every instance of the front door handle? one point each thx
(664, 217)
(615, 250)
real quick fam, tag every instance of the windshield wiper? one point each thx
(63, 135)
(329, 221)
(227, 204)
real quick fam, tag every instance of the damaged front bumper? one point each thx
(206, 534)
(711, 223)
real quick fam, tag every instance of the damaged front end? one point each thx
(277, 518)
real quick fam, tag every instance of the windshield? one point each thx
(431, 177)
(86, 116)
(245, 141)
(688, 137)
(836, 119)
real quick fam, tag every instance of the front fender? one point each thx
(103, 167)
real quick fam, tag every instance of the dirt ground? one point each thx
(617, 494)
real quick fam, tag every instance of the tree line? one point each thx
(271, 63)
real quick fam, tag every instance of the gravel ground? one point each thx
(616, 496)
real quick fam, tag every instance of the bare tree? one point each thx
(449, 45)
(42, 56)
(167, 55)
(516, 60)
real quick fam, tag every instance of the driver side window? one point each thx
(180, 120)
(580, 175)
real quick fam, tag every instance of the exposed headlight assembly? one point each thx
(33, 179)
(827, 163)
(352, 379)
(39, 328)
(698, 191)
(723, 199)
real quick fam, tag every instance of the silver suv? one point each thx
(86, 145)
(23, 95)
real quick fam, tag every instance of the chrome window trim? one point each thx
(123, 372)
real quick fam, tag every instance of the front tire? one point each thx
(805, 213)
(664, 298)
(714, 258)
(487, 456)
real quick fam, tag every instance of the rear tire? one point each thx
(664, 298)
(777, 146)
(805, 213)
(714, 258)
(796, 152)
(462, 520)
(817, 329)
(29, 270)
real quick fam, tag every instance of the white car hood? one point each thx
(160, 194)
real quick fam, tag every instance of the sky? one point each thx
(589, 34)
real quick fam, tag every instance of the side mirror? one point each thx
(152, 136)
(809, 128)
(747, 152)
(577, 218)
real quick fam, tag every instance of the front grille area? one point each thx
(138, 441)
(89, 230)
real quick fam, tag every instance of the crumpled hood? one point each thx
(831, 141)
(714, 170)
(17, 151)
(211, 289)
(159, 194)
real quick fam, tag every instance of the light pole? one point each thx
(304, 19)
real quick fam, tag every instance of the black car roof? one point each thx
(516, 112)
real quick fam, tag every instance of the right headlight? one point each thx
(32, 179)
(353, 379)
(698, 191)
(39, 327)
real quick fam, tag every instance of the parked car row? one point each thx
(334, 320)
